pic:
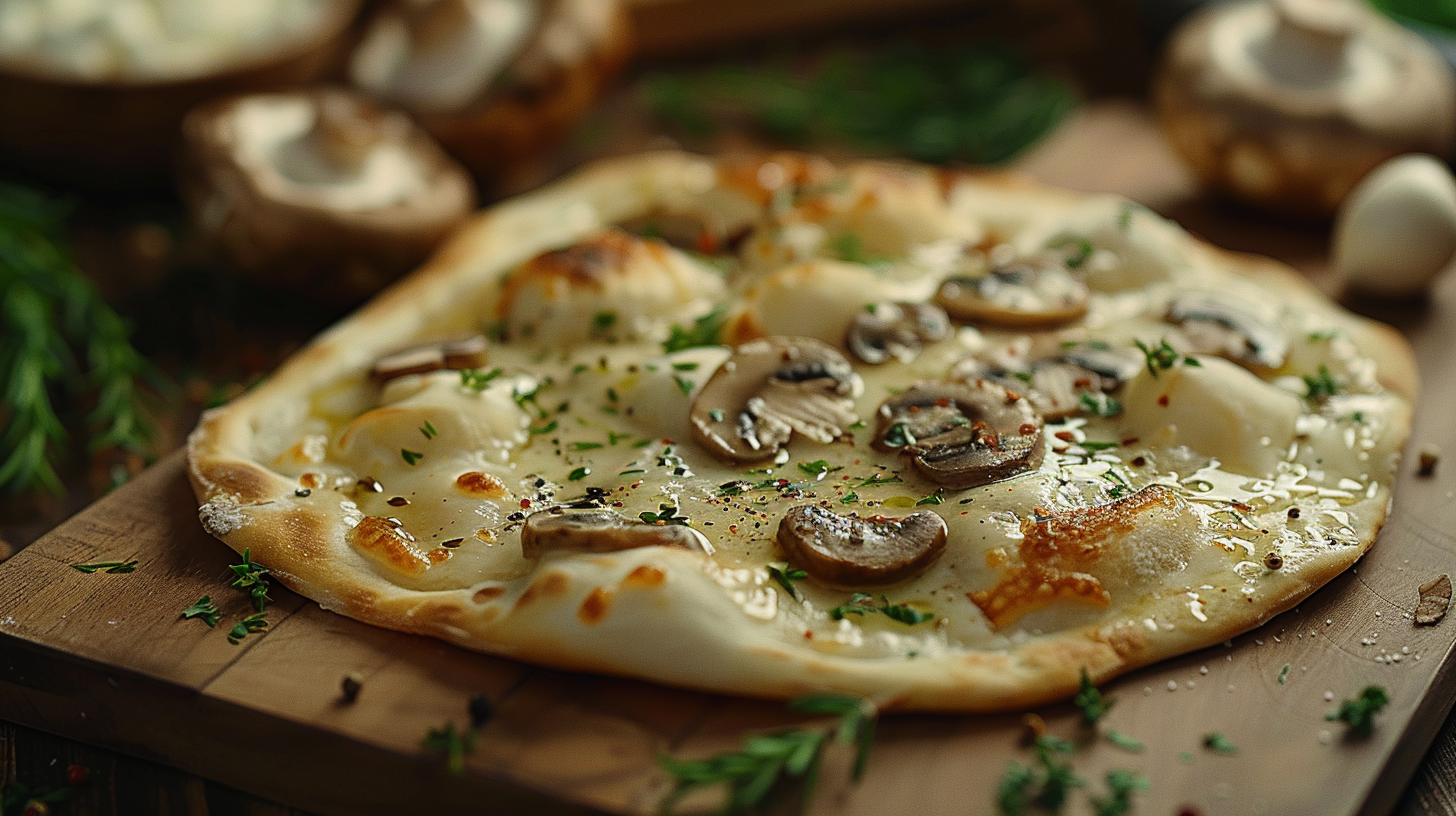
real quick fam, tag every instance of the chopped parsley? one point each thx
(429, 430)
(862, 604)
(1091, 702)
(703, 332)
(786, 576)
(666, 514)
(477, 380)
(1322, 385)
(247, 626)
(1163, 357)
(753, 773)
(454, 744)
(1284, 674)
(938, 497)
(716, 414)
(877, 479)
(205, 610)
(410, 457)
(684, 385)
(1125, 742)
(1076, 250)
(602, 321)
(252, 579)
(1046, 785)
(849, 498)
(687, 366)
(1095, 447)
(582, 446)
(1121, 784)
(1216, 742)
(578, 474)
(110, 567)
(1101, 404)
(899, 435)
(818, 468)
(546, 429)
(1359, 713)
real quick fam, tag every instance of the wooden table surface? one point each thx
(1139, 166)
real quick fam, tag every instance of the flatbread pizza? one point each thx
(770, 425)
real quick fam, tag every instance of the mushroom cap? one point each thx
(768, 390)
(556, 74)
(1037, 293)
(1231, 328)
(1286, 105)
(601, 530)
(897, 330)
(962, 434)
(122, 131)
(849, 551)
(321, 192)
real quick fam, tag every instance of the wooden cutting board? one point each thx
(105, 658)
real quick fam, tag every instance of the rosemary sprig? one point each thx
(754, 772)
(57, 336)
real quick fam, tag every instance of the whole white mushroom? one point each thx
(1397, 229)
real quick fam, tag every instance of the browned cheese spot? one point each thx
(1057, 550)
(644, 576)
(310, 480)
(1435, 600)
(483, 485)
(548, 585)
(388, 544)
(594, 607)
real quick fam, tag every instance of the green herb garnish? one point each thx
(716, 414)
(1125, 742)
(687, 366)
(253, 579)
(454, 744)
(1101, 404)
(204, 609)
(877, 480)
(818, 468)
(1077, 250)
(410, 457)
(1284, 674)
(111, 567)
(1359, 713)
(786, 576)
(582, 446)
(703, 332)
(1046, 785)
(753, 773)
(477, 380)
(863, 604)
(666, 514)
(578, 474)
(1091, 702)
(1322, 385)
(429, 430)
(899, 435)
(1216, 742)
(938, 497)
(546, 429)
(247, 626)
(1121, 784)
(602, 321)
(684, 385)
(1163, 357)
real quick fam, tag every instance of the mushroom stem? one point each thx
(1308, 44)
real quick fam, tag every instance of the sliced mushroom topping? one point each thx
(1062, 386)
(853, 552)
(768, 390)
(602, 531)
(1229, 328)
(962, 435)
(455, 355)
(1035, 294)
(897, 330)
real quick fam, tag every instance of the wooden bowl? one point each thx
(116, 134)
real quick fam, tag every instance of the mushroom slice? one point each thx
(1229, 328)
(768, 390)
(962, 435)
(1059, 387)
(897, 330)
(1020, 295)
(602, 531)
(456, 355)
(846, 550)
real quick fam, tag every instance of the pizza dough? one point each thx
(725, 437)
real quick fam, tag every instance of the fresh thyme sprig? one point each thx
(204, 609)
(252, 579)
(753, 773)
(57, 336)
(1359, 713)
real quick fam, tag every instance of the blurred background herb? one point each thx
(67, 365)
(977, 104)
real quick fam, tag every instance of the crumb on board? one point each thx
(1435, 599)
(1427, 459)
